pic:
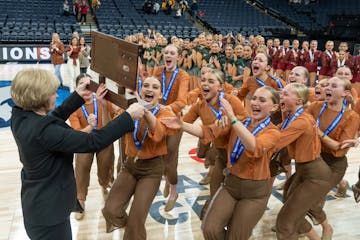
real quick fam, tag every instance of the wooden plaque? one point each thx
(116, 61)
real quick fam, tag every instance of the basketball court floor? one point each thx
(182, 223)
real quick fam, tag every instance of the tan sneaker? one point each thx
(342, 188)
(171, 203)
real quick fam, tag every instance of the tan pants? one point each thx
(217, 176)
(140, 179)
(122, 155)
(105, 169)
(338, 167)
(238, 205)
(306, 187)
(171, 159)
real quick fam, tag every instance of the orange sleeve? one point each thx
(291, 133)
(244, 90)
(75, 121)
(180, 101)
(349, 130)
(193, 96)
(192, 114)
(160, 130)
(228, 88)
(264, 143)
(357, 107)
(354, 94)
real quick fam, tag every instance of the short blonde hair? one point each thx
(347, 83)
(301, 91)
(31, 89)
(219, 75)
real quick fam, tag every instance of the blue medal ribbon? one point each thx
(289, 119)
(86, 114)
(137, 142)
(238, 147)
(278, 82)
(218, 113)
(139, 85)
(166, 91)
(336, 120)
(260, 82)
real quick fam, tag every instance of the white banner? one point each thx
(24, 53)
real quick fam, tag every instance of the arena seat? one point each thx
(39, 16)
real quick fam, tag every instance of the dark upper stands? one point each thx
(24, 21)
(240, 17)
(124, 17)
(29, 21)
(315, 17)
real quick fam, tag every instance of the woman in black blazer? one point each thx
(46, 145)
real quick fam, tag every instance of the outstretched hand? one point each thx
(349, 143)
(172, 122)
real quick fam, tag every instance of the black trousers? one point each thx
(61, 231)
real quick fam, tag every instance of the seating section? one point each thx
(240, 17)
(124, 17)
(25, 21)
(316, 16)
(33, 21)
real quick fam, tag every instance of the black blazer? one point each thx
(46, 145)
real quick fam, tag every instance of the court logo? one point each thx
(5, 104)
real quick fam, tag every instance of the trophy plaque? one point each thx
(116, 61)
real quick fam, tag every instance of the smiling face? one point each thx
(260, 65)
(171, 56)
(262, 104)
(210, 86)
(329, 45)
(215, 48)
(313, 45)
(344, 72)
(335, 90)
(229, 51)
(297, 75)
(151, 90)
(239, 50)
(209, 40)
(286, 43)
(247, 52)
(295, 44)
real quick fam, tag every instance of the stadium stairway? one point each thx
(89, 26)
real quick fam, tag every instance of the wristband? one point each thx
(234, 121)
(324, 135)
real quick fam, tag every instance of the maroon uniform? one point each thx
(311, 60)
(326, 58)
(281, 53)
(292, 59)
